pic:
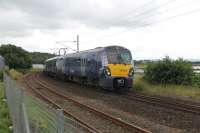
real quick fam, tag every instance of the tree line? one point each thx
(18, 58)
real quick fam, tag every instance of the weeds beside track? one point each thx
(103, 115)
(165, 102)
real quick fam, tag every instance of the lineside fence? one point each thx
(31, 115)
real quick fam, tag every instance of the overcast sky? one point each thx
(151, 29)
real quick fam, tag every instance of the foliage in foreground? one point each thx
(42, 117)
(1, 74)
(168, 71)
(15, 57)
(14, 74)
(4, 113)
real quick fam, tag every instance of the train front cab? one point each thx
(117, 76)
(118, 69)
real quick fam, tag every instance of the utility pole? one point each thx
(77, 41)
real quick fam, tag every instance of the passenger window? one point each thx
(82, 61)
(78, 60)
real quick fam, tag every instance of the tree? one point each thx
(15, 57)
(39, 58)
(168, 71)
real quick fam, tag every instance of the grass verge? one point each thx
(42, 117)
(180, 91)
(5, 121)
(36, 70)
(31, 70)
(15, 74)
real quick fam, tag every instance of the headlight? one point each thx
(107, 71)
(131, 72)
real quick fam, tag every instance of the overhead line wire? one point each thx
(161, 20)
(146, 11)
(155, 22)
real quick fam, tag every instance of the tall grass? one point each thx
(36, 70)
(5, 121)
(41, 117)
(196, 80)
(184, 91)
(15, 74)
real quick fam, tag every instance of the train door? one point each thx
(67, 66)
(83, 65)
(92, 66)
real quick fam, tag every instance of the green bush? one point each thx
(15, 57)
(5, 121)
(196, 80)
(15, 74)
(1, 74)
(168, 71)
(39, 58)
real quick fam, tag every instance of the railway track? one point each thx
(82, 124)
(108, 117)
(169, 103)
(165, 102)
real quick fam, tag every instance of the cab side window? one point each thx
(104, 59)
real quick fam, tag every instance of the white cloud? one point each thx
(36, 25)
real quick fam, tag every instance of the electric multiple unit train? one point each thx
(107, 67)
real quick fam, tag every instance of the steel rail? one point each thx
(82, 123)
(167, 103)
(170, 100)
(119, 122)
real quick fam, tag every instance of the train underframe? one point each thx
(107, 82)
(116, 83)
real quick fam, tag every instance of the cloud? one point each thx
(20, 18)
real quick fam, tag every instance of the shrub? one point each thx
(138, 83)
(15, 57)
(1, 74)
(196, 80)
(15, 74)
(168, 71)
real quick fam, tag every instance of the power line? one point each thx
(131, 11)
(154, 8)
(155, 22)
(171, 9)
(176, 7)
(164, 19)
(75, 41)
(135, 9)
(176, 16)
(146, 11)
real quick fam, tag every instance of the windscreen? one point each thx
(118, 55)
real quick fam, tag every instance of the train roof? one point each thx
(81, 52)
(54, 58)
